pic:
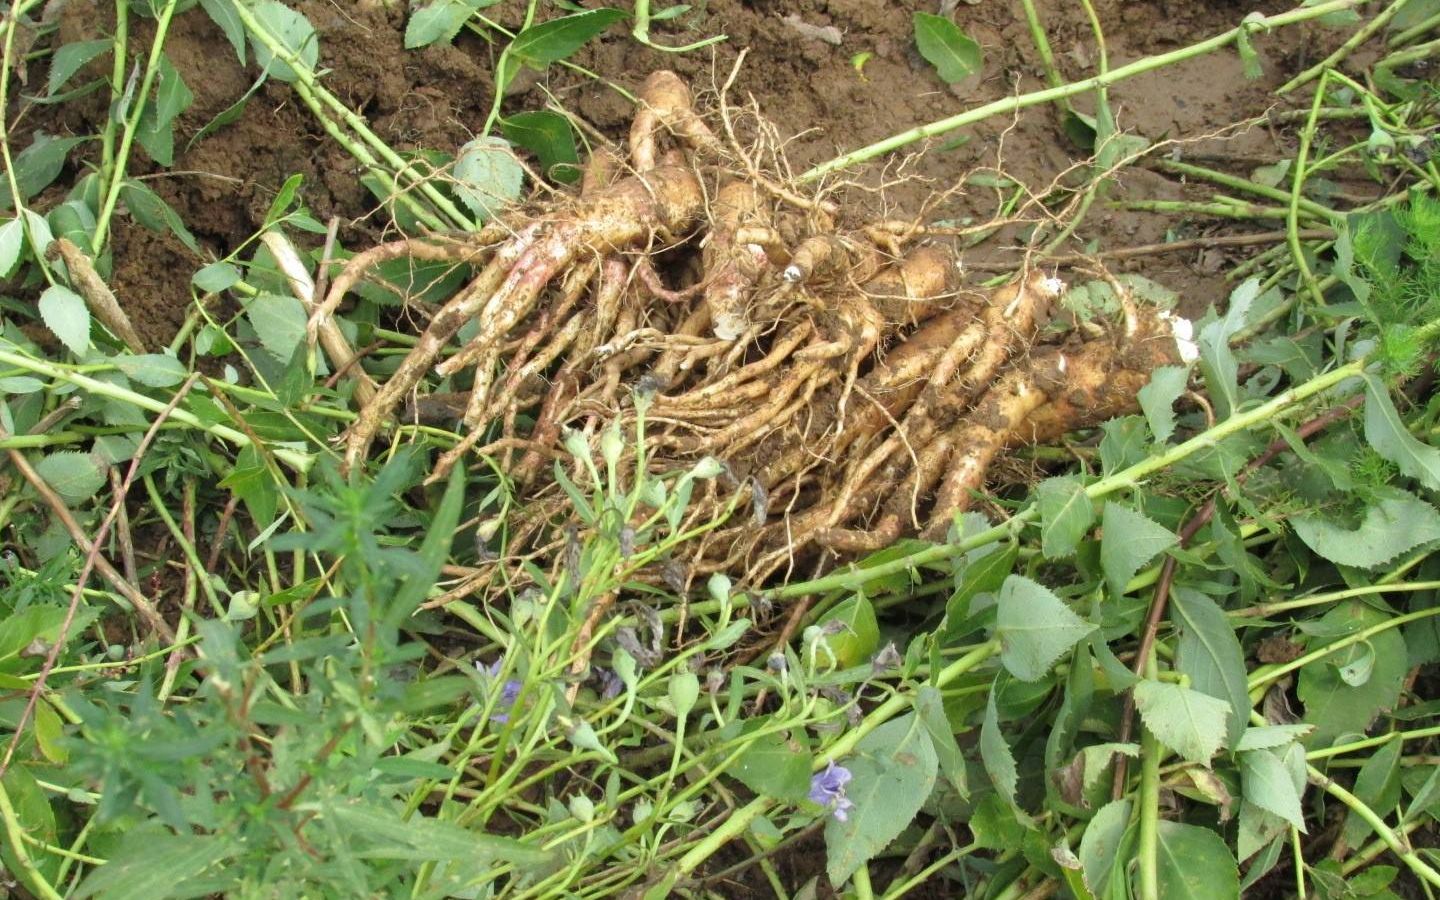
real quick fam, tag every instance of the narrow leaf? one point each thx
(548, 42)
(1387, 434)
(995, 754)
(1377, 786)
(70, 59)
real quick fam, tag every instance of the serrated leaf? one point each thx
(38, 165)
(155, 214)
(279, 322)
(1096, 758)
(1337, 708)
(292, 31)
(1185, 720)
(1130, 540)
(222, 13)
(1194, 864)
(1398, 523)
(216, 277)
(548, 42)
(152, 369)
(893, 771)
(1266, 782)
(12, 242)
(1267, 737)
(75, 476)
(547, 135)
(773, 767)
(70, 59)
(995, 753)
(40, 235)
(172, 97)
(1217, 361)
(487, 176)
(440, 20)
(1103, 844)
(64, 312)
(1378, 787)
(1158, 396)
(1066, 513)
(1387, 435)
(930, 707)
(1210, 654)
(1035, 628)
(952, 52)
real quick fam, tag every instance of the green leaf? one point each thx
(854, 635)
(547, 135)
(951, 51)
(1066, 513)
(1266, 782)
(894, 770)
(487, 176)
(1104, 844)
(12, 243)
(1216, 359)
(216, 277)
(65, 314)
(1210, 654)
(930, 707)
(279, 322)
(423, 838)
(775, 767)
(70, 59)
(1035, 628)
(1265, 737)
(1337, 708)
(434, 550)
(74, 221)
(1387, 434)
(1195, 864)
(222, 13)
(1377, 786)
(995, 753)
(151, 863)
(983, 571)
(155, 214)
(1158, 396)
(1256, 829)
(548, 42)
(1396, 524)
(172, 97)
(39, 164)
(36, 818)
(152, 369)
(252, 482)
(75, 476)
(1130, 540)
(292, 31)
(440, 20)
(1187, 721)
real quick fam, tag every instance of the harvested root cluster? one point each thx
(850, 387)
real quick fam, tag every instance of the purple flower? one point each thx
(509, 691)
(827, 788)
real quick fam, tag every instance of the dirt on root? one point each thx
(819, 92)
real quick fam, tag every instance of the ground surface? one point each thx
(438, 98)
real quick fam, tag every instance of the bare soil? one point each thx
(438, 98)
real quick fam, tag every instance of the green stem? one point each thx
(1262, 677)
(1401, 38)
(1269, 609)
(297, 460)
(1367, 743)
(1009, 105)
(1250, 187)
(1297, 185)
(1422, 870)
(132, 126)
(119, 45)
(1362, 35)
(29, 873)
(642, 32)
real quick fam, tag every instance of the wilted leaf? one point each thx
(1035, 628)
(1187, 721)
(1396, 524)
(64, 312)
(951, 51)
